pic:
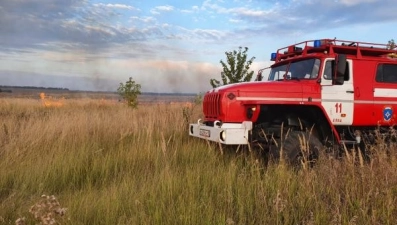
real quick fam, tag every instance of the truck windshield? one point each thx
(296, 70)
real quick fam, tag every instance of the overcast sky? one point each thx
(174, 45)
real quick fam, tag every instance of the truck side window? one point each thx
(329, 70)
(386, 73)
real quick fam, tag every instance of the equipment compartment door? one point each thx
(337, 100)
(385, 93)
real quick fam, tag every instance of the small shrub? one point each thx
(129, 92)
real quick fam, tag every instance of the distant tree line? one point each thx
(168, 94)
(34, 87)
(8, 91)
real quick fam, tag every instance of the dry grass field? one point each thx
(92, 161)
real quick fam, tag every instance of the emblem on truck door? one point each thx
(387, 113)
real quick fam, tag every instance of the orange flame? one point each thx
(50, 103)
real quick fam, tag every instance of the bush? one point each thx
(129, 92)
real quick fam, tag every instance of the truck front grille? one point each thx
(212, 105)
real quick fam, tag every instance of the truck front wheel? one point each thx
(297, 148)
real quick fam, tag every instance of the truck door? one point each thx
(337, 99)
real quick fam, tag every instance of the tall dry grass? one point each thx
(107, 164)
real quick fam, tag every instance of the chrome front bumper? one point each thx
(226, 133)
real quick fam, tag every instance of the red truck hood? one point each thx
(262, 88)
(219, 101)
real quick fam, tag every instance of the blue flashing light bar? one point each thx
(273, 56)
(317, 43)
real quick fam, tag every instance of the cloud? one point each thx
(164, 8)
(115, 6)
(147, 19)
(35, 24)
(78, 23)
(234, 21)
(306, 16)
(193, 9)
(356, 2)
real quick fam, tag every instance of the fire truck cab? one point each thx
(325, 91)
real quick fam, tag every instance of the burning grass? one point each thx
(108, 164)
(50, 102)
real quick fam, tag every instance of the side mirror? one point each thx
(263, 74)
(340, 70)
(259, 77)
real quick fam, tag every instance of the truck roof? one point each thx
(333, 46)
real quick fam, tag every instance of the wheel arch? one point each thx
(304, 116)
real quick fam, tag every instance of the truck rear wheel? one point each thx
(297, 147)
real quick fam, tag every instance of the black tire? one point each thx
(297, 147)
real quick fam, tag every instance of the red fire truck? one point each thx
(339, 91)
